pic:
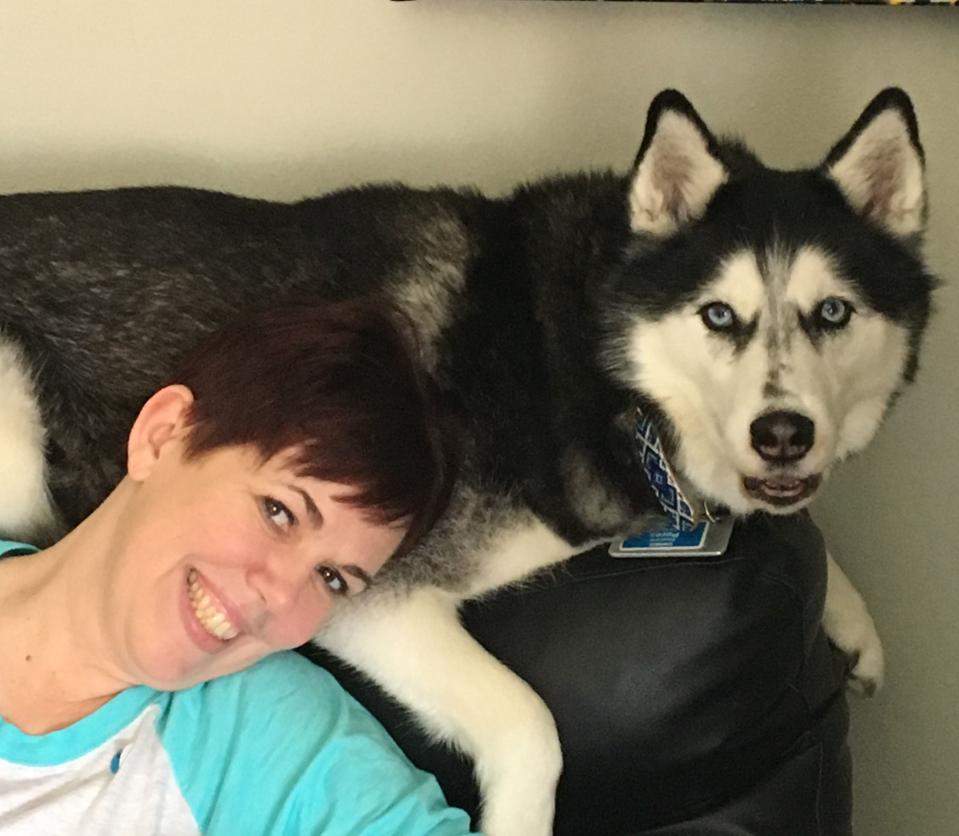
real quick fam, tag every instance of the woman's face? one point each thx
(222, 560)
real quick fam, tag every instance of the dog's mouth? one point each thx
(781, 491)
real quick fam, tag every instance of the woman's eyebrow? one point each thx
(312, 511)
(357, 572)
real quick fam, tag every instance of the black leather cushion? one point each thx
(692, 696)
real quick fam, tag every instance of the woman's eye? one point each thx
(718, 316)
(834, 312)
(333, 579)
(277, 513)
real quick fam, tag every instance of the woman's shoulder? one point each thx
(283, 742)
(282, 700)
(285, 674)
(283, 686)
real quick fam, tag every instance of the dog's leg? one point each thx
(415, 648)
(851, 628)
(26, 511)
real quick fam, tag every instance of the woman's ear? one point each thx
(162, 421)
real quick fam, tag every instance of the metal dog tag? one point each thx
(708, 539)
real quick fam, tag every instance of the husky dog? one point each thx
(765, 320)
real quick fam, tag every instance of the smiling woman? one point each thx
(296, 453)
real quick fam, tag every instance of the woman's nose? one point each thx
(293, 606)
(280, 580)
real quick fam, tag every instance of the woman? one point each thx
(147, 682)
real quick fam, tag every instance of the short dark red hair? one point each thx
(333, 384)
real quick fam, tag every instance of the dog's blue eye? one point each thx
(718, 316)
(834, 312)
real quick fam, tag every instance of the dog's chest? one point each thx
(515, 552)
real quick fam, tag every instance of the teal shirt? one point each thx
(279, 748)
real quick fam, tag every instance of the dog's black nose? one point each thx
(782, 436)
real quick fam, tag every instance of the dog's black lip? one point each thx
(754, 487)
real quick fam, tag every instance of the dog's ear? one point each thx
(879, 165)
(677, 169)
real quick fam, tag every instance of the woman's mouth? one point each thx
(209, 611)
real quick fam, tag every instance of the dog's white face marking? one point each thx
(714, 386)
(26, 511)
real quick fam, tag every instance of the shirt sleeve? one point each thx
(9, 548)
(282, 749)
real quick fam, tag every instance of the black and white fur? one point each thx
(701, 286)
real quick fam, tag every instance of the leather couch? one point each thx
(692, 695)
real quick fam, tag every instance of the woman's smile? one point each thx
(206, 617)
(210, 611)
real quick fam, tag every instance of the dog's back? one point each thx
(105, 291)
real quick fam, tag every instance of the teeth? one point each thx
(783, 488)
(208, 613)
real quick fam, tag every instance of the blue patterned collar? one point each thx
(661, 478)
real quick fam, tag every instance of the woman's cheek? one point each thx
(302, 623)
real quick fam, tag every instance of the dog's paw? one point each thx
(524, 806)
(854, 633)
(519, 775)
(526, 823)
(867, 666)
(851, 629)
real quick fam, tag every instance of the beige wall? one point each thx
(284, 99)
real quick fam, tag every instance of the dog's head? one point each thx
(768, 318)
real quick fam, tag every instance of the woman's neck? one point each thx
(54, 665)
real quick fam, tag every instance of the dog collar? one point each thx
(660, 476)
